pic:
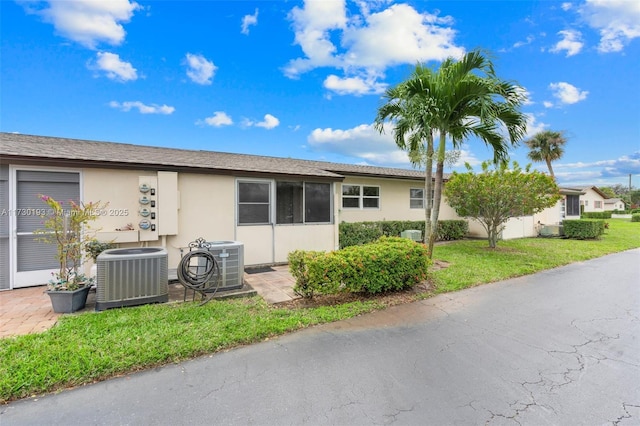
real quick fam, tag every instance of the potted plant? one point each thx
(67, 229)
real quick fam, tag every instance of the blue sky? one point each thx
(304, 79)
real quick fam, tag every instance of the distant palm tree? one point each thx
(461, 99)
(546, 146)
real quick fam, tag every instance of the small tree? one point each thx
(68, 229)
(494, 196)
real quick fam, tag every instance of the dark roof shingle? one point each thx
(106, 154)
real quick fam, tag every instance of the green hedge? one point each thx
(452, 230)
(583, 229)
(357, 233)
(388, 264)
(596, 215)
(635, 217)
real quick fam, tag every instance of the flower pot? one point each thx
(65, 301)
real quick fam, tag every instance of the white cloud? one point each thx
(362, 141)
(547, 104)
(200, 70)
(466, 156)
(311, 25)
(527, 96)
(142, 108)
(249, 20)
(598, 172)
(566, 6)
(399, 35)
(533, 126)
(218, 119)
(618, 22)
(354, 85)
(567, 93)
(571, 42)
(88, 22)
(269, 122)
(369, 42)
(528, 40)
(114, 67)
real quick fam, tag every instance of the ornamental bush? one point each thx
(596, 215)
(583, 229)
(357, 233)
(388, 264)
(635, 217)
(452, 230)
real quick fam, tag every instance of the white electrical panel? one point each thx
(148, 208)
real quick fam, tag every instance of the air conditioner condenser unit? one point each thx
(132, 276)
(230, 258)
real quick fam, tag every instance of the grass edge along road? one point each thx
(92, 346)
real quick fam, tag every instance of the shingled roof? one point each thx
(64, 151)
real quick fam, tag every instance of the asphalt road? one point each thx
(559, 347)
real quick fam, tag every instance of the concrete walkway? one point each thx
(28, 310)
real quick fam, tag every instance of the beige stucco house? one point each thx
(271, 205)
(593, 200)
(611, 204)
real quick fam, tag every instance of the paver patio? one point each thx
(28, 310)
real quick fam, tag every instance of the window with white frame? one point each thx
(416, 198)
(597, 204)
(360, 197)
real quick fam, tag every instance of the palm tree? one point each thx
(546, 146)
(460, 99)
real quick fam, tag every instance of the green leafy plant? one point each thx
(635, 217)
(94, 247)
(583, 228)
(67, 229)
(449, 230)
(460, 99)
(596, 215)
(494, 196)
(356, 233)
(388, 264)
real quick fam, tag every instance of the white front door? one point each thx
(34, 261)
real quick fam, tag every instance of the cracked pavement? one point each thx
(558, 347)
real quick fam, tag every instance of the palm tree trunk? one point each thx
(437, 195)
(550, 168)
(428, 186)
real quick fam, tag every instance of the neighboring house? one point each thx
(614, 204)
(272, 205)
(592, 200)
(567, 208)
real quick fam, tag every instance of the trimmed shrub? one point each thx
(596, 215)
(388, 264)
(357, 233)
(353, 234)
(452, 230)
(635, 217)
(583, 229)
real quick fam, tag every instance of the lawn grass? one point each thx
(93, 346)
(473, 262)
